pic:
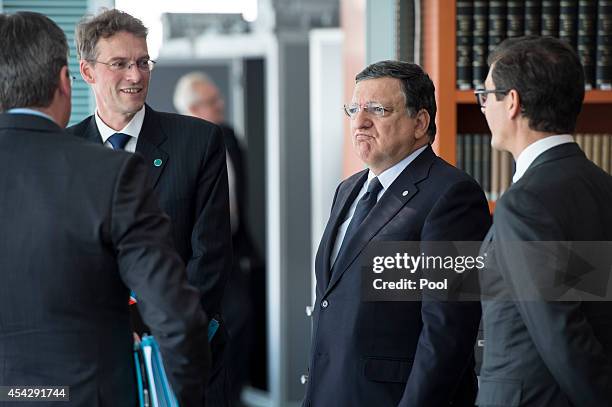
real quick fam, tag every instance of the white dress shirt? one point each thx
(386, 178)
(131, 129)
(534, 150)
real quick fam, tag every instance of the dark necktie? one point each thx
(119, 140)
(363, 208)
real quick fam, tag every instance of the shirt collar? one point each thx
(25, 110)
(389, 175)
(534, 150)
(131, 129)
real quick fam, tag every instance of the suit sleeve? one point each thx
(211, 240)
(149, 265)
(560, 331)
(446, 343)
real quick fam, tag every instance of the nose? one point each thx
(133, 74)
(361, 120)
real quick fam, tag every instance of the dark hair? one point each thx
(33, 50)
(106, 24)
(418, 89)
(548, 76)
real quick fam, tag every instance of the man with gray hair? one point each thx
(393, 353)
(185, 157)
(80, 229)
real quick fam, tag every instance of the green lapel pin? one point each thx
(157, 162)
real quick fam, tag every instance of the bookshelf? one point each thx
(458, 112)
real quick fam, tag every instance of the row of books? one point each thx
(493, 169)
(584, 24)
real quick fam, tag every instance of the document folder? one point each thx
(154, 389)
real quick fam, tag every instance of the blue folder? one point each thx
(154, 389)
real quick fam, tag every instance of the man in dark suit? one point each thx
(197, 95)
(538, 351)
(393, 353)
(80, 229)
(185, 157)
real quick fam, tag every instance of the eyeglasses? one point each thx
(374, 108)
(144, 65)
(481, 95)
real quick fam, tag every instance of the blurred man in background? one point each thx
(197, 95)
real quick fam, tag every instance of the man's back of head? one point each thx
(33, 65)
(548, 76)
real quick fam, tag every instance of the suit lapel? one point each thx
(91, 131)
(403, 189)
(336, 218)
(149, 143)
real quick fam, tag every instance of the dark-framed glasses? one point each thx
(120, 65)
(482, 94)
(375, 108)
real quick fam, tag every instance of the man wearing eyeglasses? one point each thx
(386, 353)
(185, 157)
(539, 350)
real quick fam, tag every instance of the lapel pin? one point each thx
(404, 193)
(157, 162)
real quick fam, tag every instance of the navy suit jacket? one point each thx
(396, 353)
(537, 352)
(80, 228)
(191, 186)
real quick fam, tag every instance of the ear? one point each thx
(64, 87)
(86, 71)
(422, 124)
(513, 104)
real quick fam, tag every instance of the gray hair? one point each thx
(33, 50)
(184, 94)
(104, 25)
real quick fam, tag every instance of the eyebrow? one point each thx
(126, 58)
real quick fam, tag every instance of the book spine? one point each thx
(568, 22)
(606, 153)
(603, 71)
(533, 17)
(465, 9)
(486, 165)
(550, 18)
(588, 146)
(497, 23)
(479, 42)
(597, 149)
(515, 23)
(477, 154)
(587, 30)
(460, 152)
(469, 154)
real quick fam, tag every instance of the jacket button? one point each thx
(324, 303)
